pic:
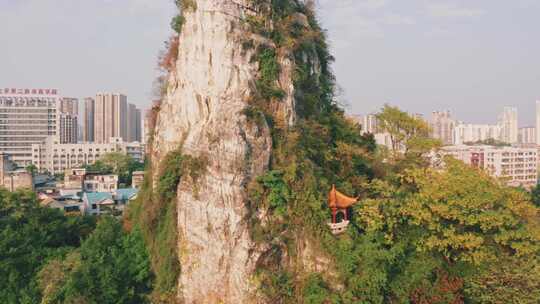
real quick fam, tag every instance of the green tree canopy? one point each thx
(408, 134)
(111, 266)
(30, 236)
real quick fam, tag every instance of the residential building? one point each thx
(124, 196)
(470, 133)
(18, 179)
(74, 178)
(69, 106)
(88, 120)
(369, 124)
(527, 135)
(13, 180)
(131, 117)
(54, 157)
(134, 124)
(384, 139)
(515, 166)
(97, 203)
(442, 127)
(68, 128)
(27, 117)
(509, 125)
(67, 206)
(110, 117)
(82, 181)
(100, 183)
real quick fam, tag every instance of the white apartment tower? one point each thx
(442, 127)
(110, 117)
(369, 124)
(527, 135)
(509, 125)
(471, 133)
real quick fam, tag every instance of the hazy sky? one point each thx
(472, 57)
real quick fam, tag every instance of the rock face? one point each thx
(202, 114)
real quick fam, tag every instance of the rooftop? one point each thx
(97, 197)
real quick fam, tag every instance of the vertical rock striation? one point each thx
(202, 113)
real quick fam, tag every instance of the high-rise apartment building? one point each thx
(369, 124)
(442, 127)
(27, 116)
(68, 109)
(88, 120)
(527, 135)
(110, 117)
(470, 133)
(68, 128)
(134, 123)
(69, 106)
(131, 132)
(509, 125)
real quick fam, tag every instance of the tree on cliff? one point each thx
(419, 235)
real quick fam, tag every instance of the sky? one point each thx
(472, 57)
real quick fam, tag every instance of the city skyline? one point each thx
(449, 57)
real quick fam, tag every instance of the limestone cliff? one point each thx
(232, 98)
(201, 113)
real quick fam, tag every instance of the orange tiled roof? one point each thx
(339, 200)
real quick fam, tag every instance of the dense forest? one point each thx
(424, 231)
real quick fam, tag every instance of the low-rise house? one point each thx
(72, 207)
(97, 203)
(100, 183)
(79, 180)
(123, 197)
(74, 178)
(14, 180)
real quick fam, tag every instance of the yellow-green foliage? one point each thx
(418, 235)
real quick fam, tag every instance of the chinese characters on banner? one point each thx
(13, 91)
